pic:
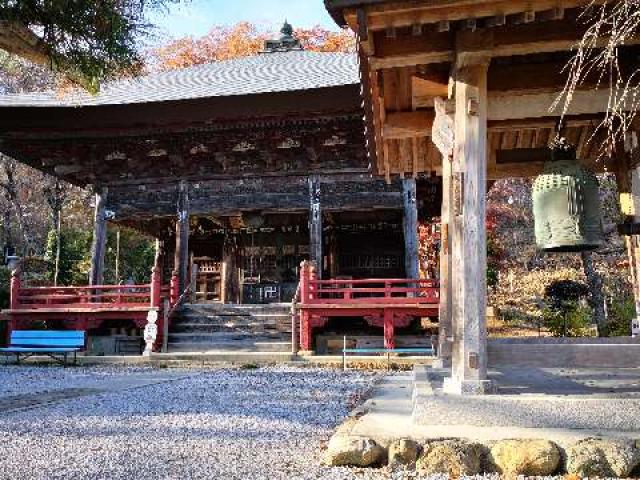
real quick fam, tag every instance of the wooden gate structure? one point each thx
(474, 82)
(248, 177)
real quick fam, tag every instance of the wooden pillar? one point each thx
(628, 181)
(410, 223)
(445, 310)
(305, 296)
(230, 278)
(467, 230)
(389, 334)
(181, 259)
(334, 266)
(315, 224)
(99, 243)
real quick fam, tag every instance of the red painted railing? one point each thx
(84, 306)
(88, 297)
(381, 291)
(386, 302)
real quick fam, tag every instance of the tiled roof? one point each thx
(264, 73)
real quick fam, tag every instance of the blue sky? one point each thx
(196, 17)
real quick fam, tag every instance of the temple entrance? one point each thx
(256, 259)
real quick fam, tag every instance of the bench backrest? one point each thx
(47, 338)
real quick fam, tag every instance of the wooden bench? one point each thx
(57, 344)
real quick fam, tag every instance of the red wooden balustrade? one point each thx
(86, 307)
(384, 302)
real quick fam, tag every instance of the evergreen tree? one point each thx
(86, 40)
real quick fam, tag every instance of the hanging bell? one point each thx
(566, 204)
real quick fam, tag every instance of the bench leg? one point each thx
(17, 359)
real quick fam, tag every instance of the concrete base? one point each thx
(239, 358)
(442, 362)
(549, 352)
(561, 406)
(455, 386)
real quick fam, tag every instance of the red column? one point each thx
(304, 282)
(389, 340)
(305, 330)
(174, 289)
(156, 285)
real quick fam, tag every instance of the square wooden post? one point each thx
(230, 279)
(443, 137)
(468, 235)
(181, 258)
(99, 242)
(315, 224)
(410, 224)
(445, 310)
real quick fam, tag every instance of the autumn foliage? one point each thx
(240, 40)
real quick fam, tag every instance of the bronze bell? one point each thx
(566, 204)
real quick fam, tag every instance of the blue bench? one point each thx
(57, 344)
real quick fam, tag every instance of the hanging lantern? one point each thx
(566, 204)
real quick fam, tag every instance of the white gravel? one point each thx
(217, 424)
(22, 380)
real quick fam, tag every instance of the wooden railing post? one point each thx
(15, 289)
(14, 301)
(174, 288)
(304, 282)
(156, 286)
(313, 276)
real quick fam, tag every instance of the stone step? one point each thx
(231, 346)
(226, 336)
(194, 316)
(218, 327)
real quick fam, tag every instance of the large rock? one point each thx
(354, 451)
(595, 457)
(403, 452)
(452, 457)
(526, 457)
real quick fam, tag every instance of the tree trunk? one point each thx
(594, 281)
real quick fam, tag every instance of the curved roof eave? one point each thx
(271, 73)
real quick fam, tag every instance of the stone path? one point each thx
(31, 400)
(563, 405)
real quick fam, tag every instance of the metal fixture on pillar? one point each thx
(566, 203)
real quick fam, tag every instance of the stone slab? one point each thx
(561, 406)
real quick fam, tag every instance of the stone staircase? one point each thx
(241, 328)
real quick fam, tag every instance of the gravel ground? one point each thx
(22, 380)
(216, 424)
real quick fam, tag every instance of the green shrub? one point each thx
(621, 313)
(560, 291)
(567, 319)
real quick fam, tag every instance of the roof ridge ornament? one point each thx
(287, 42)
